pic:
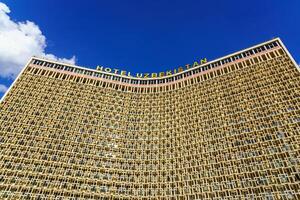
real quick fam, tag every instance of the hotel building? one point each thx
(226, 129)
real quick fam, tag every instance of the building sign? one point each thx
(151, 75)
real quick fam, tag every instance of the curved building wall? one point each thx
(231, 132)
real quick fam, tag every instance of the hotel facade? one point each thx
(225, 129)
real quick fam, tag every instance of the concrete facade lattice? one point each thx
(226, 129)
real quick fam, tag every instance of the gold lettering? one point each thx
(168, 72)
(204, 60)
(107, 69)
(123, 73)
(195, 64)
(139, 75)
(154, 75)
(116, 71)
(146, 75)
(100, 68)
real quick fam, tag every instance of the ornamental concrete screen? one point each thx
(226, 129)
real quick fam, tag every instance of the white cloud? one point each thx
(18, 42)
(3, 88)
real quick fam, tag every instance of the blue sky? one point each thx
(153, 36)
